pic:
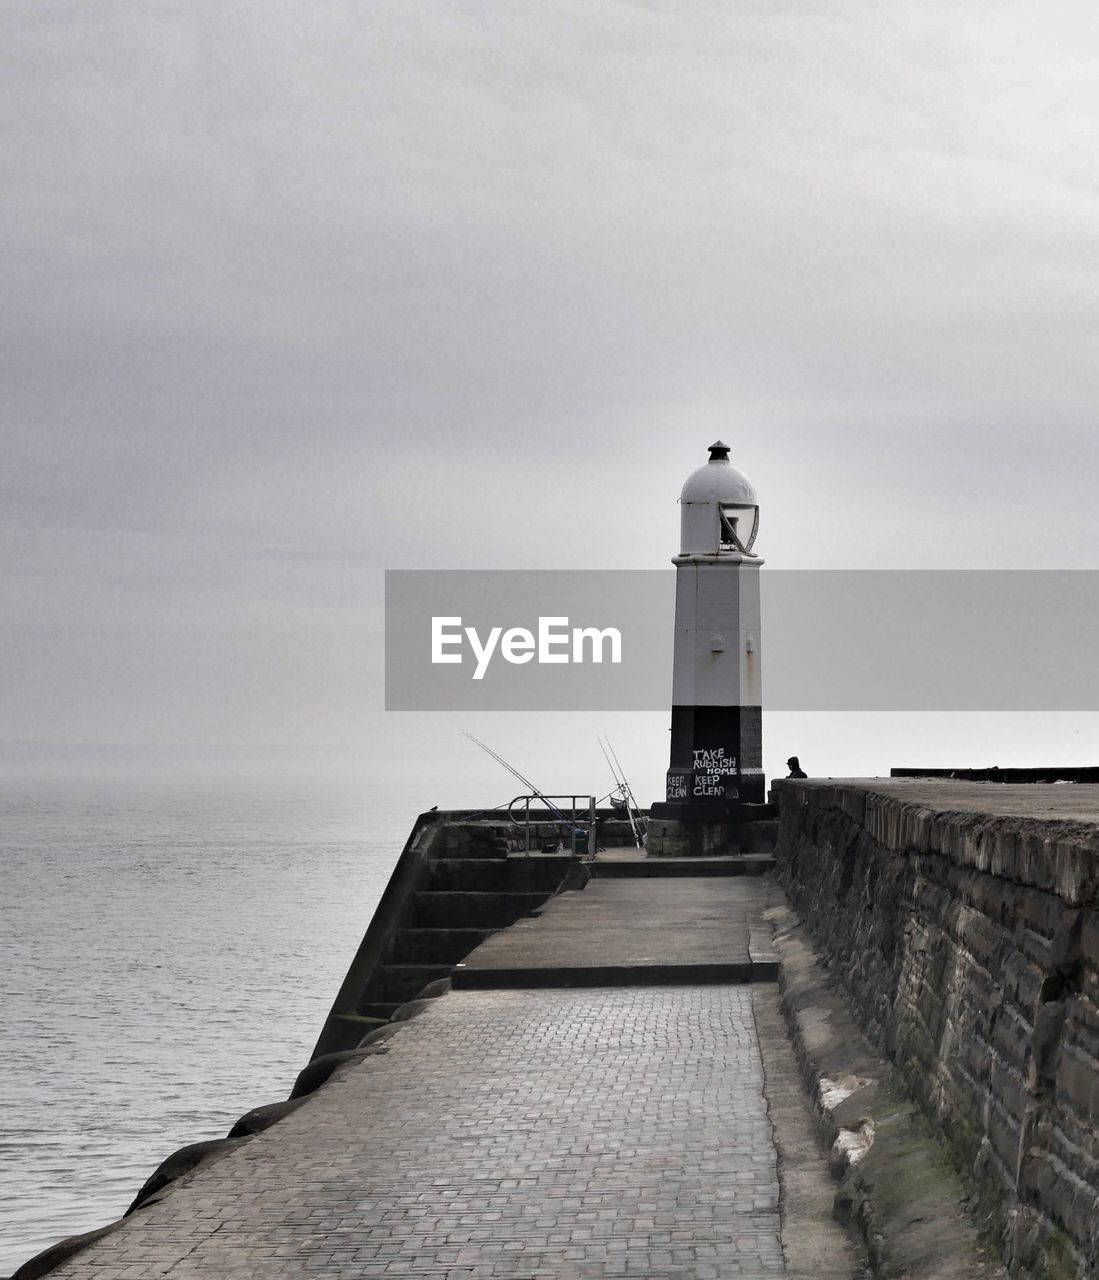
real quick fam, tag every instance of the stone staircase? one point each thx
(461, 901)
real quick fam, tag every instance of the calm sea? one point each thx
(170, 946)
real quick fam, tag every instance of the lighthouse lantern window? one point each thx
(739, 526)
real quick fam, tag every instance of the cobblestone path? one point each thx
(556, 1133)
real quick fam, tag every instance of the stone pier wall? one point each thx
(965, 934)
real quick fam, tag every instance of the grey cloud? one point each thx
(428, 283)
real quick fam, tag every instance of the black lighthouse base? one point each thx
(716, 763)
(715, 784)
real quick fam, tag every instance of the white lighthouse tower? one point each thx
(716, 765)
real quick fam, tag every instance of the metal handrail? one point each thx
(569, 823)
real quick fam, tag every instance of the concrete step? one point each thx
(629, 932)
(516, 874)
(405, 981)
(493, 852)
(435, 946)
(538, 872)
(472, 910)
(382, 1010)
(499, 977)
(750, 865)
(475, 842)
(468, 875)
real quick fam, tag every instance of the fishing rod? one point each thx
(629, 790)
(619, 783)
(524, 780)
(622, 787)
(631, 799)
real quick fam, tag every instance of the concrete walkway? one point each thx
(633, 931)
(619, 1130)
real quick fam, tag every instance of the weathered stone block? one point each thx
(1078, 1081)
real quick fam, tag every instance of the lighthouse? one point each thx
(716, 764)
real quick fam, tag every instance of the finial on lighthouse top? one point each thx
(720, 508)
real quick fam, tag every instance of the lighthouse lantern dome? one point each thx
(720, 509)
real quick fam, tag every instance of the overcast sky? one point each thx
(293, 294)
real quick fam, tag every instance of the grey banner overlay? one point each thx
(832, 640)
